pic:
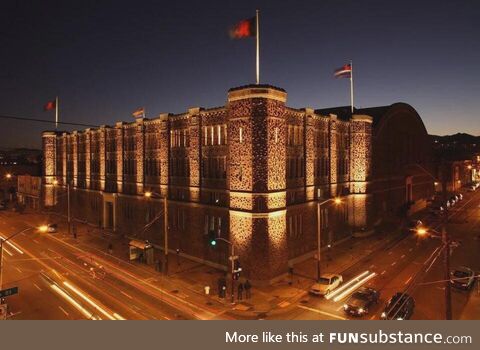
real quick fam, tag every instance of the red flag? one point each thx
(343, 72)
(50, 105)
(244, 29)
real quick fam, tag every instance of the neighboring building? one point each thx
(29, 191)
(252, 172)
(15, 162)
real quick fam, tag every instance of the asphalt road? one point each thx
(58, 279)
(406, 265)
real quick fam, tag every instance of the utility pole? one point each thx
(446, 251)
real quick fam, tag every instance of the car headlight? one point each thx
(361, 310)
(384, 315)
(345, 306)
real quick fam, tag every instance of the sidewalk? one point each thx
(187, 279)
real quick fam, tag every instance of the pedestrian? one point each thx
(248, 287)
(110, 248)
(240, 291)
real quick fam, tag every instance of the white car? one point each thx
(326, 284)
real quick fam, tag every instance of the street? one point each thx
(60, 278)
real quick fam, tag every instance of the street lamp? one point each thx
(8, 176)
(232, 260)
(148, 195)
(337, 201)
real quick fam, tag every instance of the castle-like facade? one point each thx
(251, 172)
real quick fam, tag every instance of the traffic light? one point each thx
(212, 238)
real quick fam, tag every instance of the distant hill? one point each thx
(459, 146)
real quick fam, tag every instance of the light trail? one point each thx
(88, 300)
(346, 285)
(11, 244)
(355, 286)
(72, 301)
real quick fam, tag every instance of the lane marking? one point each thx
(393, 264)
(409, 280)
(7, 251)
(64, 311)
(40, 289)
(128, 296)
(384, 271)
(410, 249)
(402, 256)
(371, 266)
(18, 269)
(390, 253)
(36, 241)
(321, 312)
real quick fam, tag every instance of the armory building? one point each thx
(251, 172)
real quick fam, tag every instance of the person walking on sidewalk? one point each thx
(248, 287)
(240, 291)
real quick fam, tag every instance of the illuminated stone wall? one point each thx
(251, 171)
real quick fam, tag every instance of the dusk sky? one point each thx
(106, 58)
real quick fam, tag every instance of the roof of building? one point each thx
(345, 112)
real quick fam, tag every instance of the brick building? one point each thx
(251, 171)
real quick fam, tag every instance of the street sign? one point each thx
(8, 292)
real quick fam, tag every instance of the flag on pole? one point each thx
(343, 72)
(139, 113)
(50, 105)
(244, 29)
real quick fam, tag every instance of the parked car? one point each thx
(361, 301)
(462, 278)
(326, 284)
(399, 307)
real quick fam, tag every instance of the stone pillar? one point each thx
(119, 155)
(257, 153)
(102, 139)
(194, 152)
(74, 140)
(140, 154)
(164, 153)
(360, 141)
(309, 147)
(360, 162)
(88, 155)
(49, 147)
(64, 157)
(333, 171)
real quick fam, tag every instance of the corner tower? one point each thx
(257, 182)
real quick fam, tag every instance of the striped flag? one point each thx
(343, 72)
(139, 113)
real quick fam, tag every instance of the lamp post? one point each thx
(148, 195)
(232, 263)
(446, 262)
(337, 201)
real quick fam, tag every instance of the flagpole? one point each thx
(351, 84)
(258, 51)
(56, 112)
